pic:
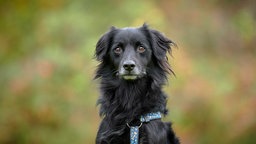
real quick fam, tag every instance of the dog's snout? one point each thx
(129, 65)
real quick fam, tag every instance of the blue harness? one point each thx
(134, 130)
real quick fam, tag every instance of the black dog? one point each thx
(133, 70)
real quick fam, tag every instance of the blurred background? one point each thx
(48, 95)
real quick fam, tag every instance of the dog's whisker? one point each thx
(115, 72)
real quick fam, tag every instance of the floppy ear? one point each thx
(160, 46)
(103, 44)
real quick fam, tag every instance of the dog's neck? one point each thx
(127, 100)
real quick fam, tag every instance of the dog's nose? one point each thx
(129, 65)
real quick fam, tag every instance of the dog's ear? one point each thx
(160, 46)
(103, 44)
(160, 43)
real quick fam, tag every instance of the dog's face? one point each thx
(131, 51)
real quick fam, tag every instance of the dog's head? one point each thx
(132, 52)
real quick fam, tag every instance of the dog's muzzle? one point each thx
(129, 70)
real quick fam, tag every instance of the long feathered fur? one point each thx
(123, 101)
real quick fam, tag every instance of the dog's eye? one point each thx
(141, 49)
(118, 50)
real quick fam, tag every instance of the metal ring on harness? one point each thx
(130, 126)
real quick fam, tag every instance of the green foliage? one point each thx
(48, 95)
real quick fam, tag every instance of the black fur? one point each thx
(125, 100)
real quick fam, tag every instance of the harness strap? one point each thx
(134, 130)
(134, 134)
